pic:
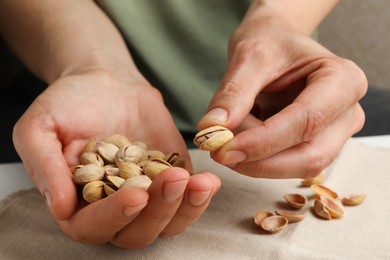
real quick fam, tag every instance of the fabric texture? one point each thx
(226, 229)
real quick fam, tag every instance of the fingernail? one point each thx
(174, 190)
(197, 198)
(217, 115)
(48, 198)
(233, 157)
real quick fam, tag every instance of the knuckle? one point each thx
(361, 83)
(229, 90)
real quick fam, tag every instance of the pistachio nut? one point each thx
(94, 191)
(92, 145)
(117, 140)
(111, 170)
(129, 169)
(274, 224)
(91, 157)
(108, 189)
(87, 173)
(115, 180)
(107, 151)
(141, 144)
(152, 154)
(141, 181)
(130, 153)
(212, 138)
(153, 167)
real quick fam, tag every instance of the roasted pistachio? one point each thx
(213, 138)
(87, 173)
(115, 180)
(153, 167)
(130, 153)
(129, 169)
(107, 151)
(117, 140)
(94, 191)
(141, 181)
(175, 160)
(92, 145)
(91, 157)
(152, 154)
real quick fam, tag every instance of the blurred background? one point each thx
(356, 29)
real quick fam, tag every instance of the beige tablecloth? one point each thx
(226, 230)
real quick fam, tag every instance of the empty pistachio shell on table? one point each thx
(107, 151)
(94, 191)
(129, 169)
(141, 181)
(353, 200)
(259, 216)
(87, 173)
(320, 210)
(130, 153)
(295, 200)
(334, 206)
(311, 181)
(91, 157)
(153, 167)
(292, 217)
(117, 140)
(213, 138)
(274, 223)
(322, 190)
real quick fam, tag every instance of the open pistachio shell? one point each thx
(320, 210)
(259, 216)
(311, 181)
(108, 189)
(322, 190)
(130, 153)
(117, 140)
(153, 167)
(107, 151)
(274, 224)
(353, 200)
(115, 180)
(295, 200)
(141, 181)
(87, 173)
(129, 169)
(292, 217)
(333, 205)
(94, 191)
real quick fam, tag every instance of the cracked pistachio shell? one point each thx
(94, 191)
(130, 153)
(153, 154)
(115, 180)
(259, 216)
(175, 160)
(295, 200)
(92, 145)
(111, 170)
(292, 217)
(311, 181)
(129, 169)
(141, 144)
(91, 157)
(108, 189)
(353, 200)
(274, 224)
(334, 206)
(322, 190)
(213, 138)
(87, 173)
(153, 167)
(320, 210)
(117, 140)
(107, 151)
(141, 181)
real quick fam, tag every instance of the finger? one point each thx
(308, 159)
(99, 221)
(200, 190)
(166, 194)
(247, 74)
(40, 150)
(303, 119)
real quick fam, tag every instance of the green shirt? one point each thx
(180, 46)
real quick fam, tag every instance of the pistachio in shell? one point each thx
(153, 167)
(141, 181)
(130, 153)
(213, 138)
(117, 140)
(94, 191)
(87, 173)
(129, 169)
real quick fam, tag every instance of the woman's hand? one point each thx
(50, 136)
(292, 103)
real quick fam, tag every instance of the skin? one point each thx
(290, 83)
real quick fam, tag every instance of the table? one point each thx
(15, 178)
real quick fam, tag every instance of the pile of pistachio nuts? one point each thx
(115, 162)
